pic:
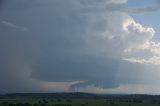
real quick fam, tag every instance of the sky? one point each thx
(96, 46)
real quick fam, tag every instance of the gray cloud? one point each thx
(1, 2)
(65, 41)
(146, 9)
(141, 10)
(91, 70)
(56, 45)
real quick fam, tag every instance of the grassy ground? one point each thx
(71, 102)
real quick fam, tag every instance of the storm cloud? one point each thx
(56, 45)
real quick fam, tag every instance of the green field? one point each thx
(78, 99)
(71, 102)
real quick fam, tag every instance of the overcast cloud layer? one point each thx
(60, 45)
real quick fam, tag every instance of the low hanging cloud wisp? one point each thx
(148, 9)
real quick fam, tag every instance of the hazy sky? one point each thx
(98, 46)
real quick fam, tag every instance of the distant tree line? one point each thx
(42, 102)
(29, 104)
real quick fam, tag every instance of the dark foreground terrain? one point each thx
(77, 99)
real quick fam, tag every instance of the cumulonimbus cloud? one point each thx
(72, 47)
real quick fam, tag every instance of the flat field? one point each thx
(117, 100)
